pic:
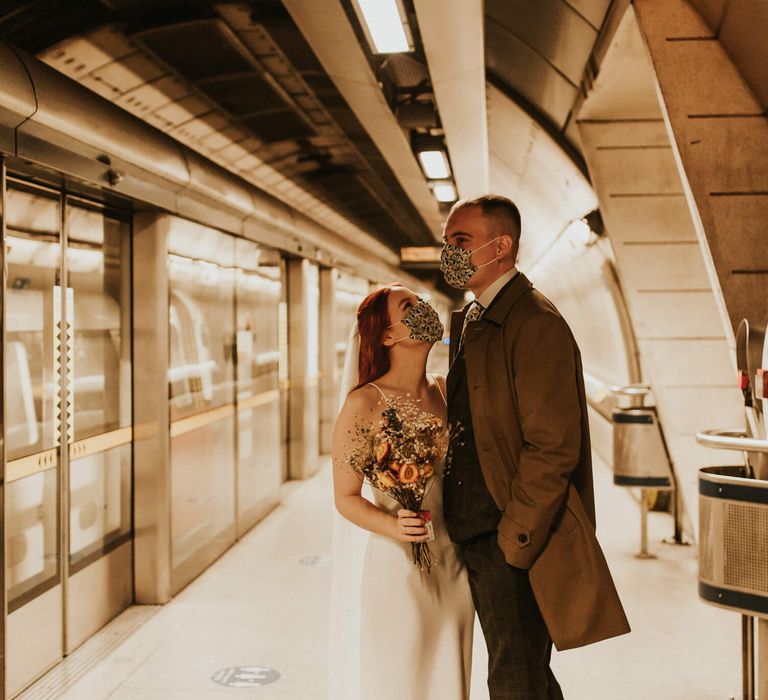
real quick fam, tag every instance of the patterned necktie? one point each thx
(474, 313)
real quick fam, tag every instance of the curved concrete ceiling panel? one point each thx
(531, 168)
(543, 53)
(528, 74)
(551, 28)
(591, 10)
(624, 87)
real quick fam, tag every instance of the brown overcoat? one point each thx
(529, 416)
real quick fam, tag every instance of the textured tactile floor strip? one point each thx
(66, 674)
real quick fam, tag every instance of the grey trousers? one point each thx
(519, 646)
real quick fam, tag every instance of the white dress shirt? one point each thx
(494, 288)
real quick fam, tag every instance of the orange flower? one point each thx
(385, 480)
(427, 471)
(382, 451)
(408, 474)
(395, 467)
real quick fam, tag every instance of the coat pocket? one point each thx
(568, 522)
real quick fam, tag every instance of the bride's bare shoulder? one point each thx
(440, 379)
(364, 399)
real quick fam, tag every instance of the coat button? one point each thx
(522, 539)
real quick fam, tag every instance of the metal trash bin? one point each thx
(733, 540)
(733, 544)
(639, 454)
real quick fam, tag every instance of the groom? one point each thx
(518, 492)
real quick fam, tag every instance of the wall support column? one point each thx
(3, 563)
(328, 398)
(720, 135)
(151, 470)
(660, 259)
(303, 368)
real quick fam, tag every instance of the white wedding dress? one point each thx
(416, 628)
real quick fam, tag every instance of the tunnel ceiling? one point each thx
(256, 96)
(537, 53)
(262, 102)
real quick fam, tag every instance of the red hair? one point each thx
(372, 323)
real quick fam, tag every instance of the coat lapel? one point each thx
(496, 313)
(507, 298)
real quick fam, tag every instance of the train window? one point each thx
(201, 319)
(259, 290)
(202, 281)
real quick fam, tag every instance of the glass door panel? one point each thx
(31, 540)
(98, 261)
(259, 290)
(33, 430)
(100, 504)
(99, 400)
(98, 257)
(68, 485)
(202, 393)
(32, 391)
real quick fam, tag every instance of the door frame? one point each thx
(116, 207)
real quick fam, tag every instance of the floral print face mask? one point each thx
(457, 266)
(423, 322)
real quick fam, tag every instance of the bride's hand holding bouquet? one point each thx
(410, 527)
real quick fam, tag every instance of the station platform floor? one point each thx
(263, 607)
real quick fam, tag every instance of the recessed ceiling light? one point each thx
(445, 192)
(435, 164)
(579, 229)
(385, 25)
(420, 254)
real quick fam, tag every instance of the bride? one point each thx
(415, 629)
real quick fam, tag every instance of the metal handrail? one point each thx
(632, 390)
(731, 439)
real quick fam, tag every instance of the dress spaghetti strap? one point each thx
(383, 395)
(440, 389)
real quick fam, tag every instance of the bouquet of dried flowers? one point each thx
(398, 456)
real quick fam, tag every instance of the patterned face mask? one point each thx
(423, 322)
(457, 266)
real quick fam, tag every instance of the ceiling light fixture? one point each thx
(434, 164)
(385, 25)
(444, 192)
(420, 254)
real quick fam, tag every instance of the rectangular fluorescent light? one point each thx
(385, 25)
(445, 192)
(435, 164)
(420, 254)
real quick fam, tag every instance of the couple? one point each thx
(513, 515)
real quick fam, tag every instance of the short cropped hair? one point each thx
(494, 206)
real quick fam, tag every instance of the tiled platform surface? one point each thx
(263, 604)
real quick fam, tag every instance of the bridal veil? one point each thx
(348, 552)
